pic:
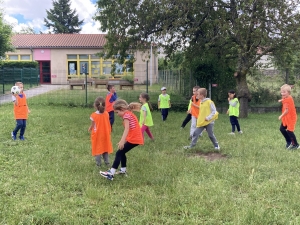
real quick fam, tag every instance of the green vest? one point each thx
(164, 101)
(204, 111)
(234, 110)
(148, 120)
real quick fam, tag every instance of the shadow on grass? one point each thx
(209, 156)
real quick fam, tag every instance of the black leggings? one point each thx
(121, 155)
(186, 120)
(288, 135)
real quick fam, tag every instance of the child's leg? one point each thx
(98, 160)
(164, 114)
(236, 123)
(121, 157)
(210, 132)
(19, 124)
(195, 136)
(23, 127)
(232, 122)
(285, 134)
(111, 117)
(148, 132)
(193, 126)
(143, 128)
(186, 120)
(105, 157)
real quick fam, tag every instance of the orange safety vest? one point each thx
(21, 109)
(109, 105)
(195, 110)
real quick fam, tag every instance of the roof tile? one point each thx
(58, 40)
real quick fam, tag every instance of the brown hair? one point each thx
(17, 83)
(122, 105)
(100, 104)
(147, 97)
(203, 91)
(196, 87)
(110, 86)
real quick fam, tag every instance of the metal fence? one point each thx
(9, 76)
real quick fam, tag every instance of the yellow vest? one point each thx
(204, 112)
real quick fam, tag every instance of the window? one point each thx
(72, 56)
(13, 57)
(83, 56)
(25, 57)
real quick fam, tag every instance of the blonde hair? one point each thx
(122, 105)
(203, 91)
(286, 87)
(100, 104)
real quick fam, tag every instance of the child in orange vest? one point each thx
(194, 110)
(132, 136)
(100, 132)
(21, 112)
(111, 97)
(288, 118)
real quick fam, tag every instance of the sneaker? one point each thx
(217, 147)
(13, 136)
(22, 138)
(107, 174)
(121, 172)
(187, 147)
(293, 147)
(288, 144)
(240, 132)
(231, 133)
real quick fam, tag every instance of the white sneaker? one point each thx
(240, 132)
(231, 133)
(187, 147)
(217, 148)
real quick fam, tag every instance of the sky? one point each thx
(32, 13)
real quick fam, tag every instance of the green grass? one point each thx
(51, 178)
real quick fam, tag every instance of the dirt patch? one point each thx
(210, 156)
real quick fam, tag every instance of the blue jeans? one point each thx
(21, 125)
(234, 123)
(164, 113)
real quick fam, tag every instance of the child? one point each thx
(100, 132)
(132, 136)
(188, 116)
(21, 112)
(111, 97)
(288, 118)
(234, 111)
(194, 111)
(145, 115)
(164, 103)
(206, 118)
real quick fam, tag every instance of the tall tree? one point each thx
(242, 28)
(62, 19)
(5, 37)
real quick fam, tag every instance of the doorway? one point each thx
(45, 72)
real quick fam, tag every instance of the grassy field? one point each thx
(51, 177)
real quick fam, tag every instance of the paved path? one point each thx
(34, 91)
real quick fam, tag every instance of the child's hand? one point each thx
(279, 118)
(280, 100)
(29, 111)
(229, 99)
(227, 112)
(121, 145)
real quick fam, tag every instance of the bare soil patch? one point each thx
(210, 156)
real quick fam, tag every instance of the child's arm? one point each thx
(15, 99)
(91, 127)
(169, 104)
(284, 113)
(158, 104)
(144, 117)
(125, 133)
(213, 111)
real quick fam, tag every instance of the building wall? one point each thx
(59, 63)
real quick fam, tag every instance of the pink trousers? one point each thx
(146, 128)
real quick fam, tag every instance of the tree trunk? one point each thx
(242, 93)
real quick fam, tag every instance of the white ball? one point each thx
(15, 90)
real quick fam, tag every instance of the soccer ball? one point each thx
(15, 90)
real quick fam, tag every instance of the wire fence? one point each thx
(179, 83)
